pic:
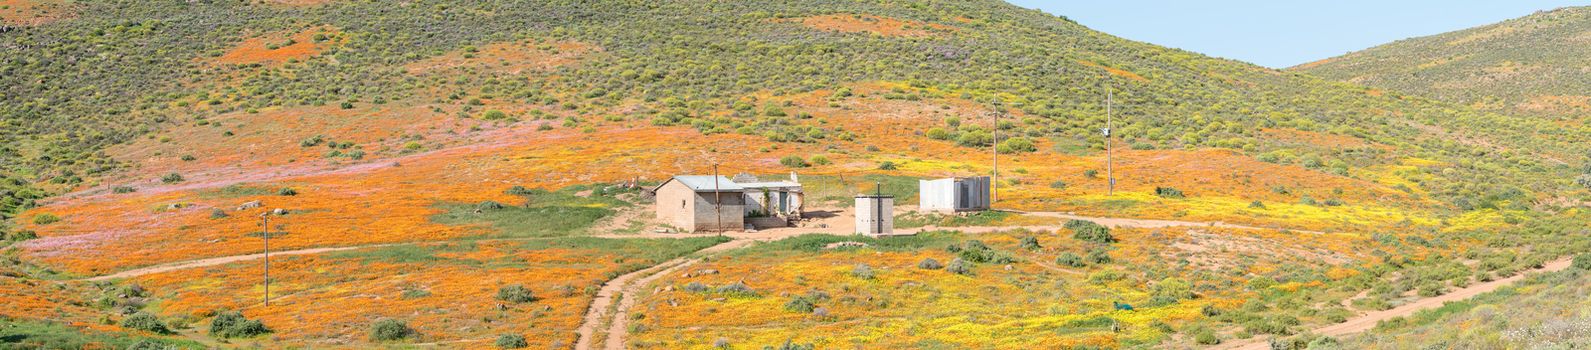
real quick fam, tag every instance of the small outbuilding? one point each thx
(701, 203)
(952, 195)
(771, 203)
(875, 215)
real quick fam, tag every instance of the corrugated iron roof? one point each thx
(701, 183)
(770, 184)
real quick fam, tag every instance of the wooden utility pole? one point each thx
(1110, 189)
(994, 181)
(265, 231)
(718, 202)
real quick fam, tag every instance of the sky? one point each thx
(1283, 33)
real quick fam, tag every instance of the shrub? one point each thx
(1069, 259)
(788, 345)
(1091, 173)
(1088, 231)
(1016, 145)
(1030, 243)
(975, 138)
(287, 191)
(820, 160)
(511, 341)
(736, 289)
(1582, 261)
(489, 205)
(494, 115)
(188, 158)
(217, 213)
(46, 219)
(232, 324)
(171, 178)
(695, 287)
(389, 329)
(800, 304)
(959, 267)
(1256, 205)
(1097, 257)
(515, 294)
(887, 165)
(862, 271)
(1206, 337)
(123, 189)
(930, 264)
(938, 134)
(793, 162)
(1167, 192)
(145, 322)
(1059, 185)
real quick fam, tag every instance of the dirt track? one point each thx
(1367, 321)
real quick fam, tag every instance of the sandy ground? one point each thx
(1367, 321)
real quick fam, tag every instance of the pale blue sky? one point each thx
(1282, 33)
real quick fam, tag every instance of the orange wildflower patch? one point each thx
(1114, 71)
(277, 48)
(885, 26)
(33, 12)
(509, 57)
(447, 292)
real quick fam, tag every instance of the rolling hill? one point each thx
(1534, 65)
(450, 172)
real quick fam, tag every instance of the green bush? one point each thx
(389, 329)
(930, 264)
(511, 341)
(46, 219)
(959, 267)
(1167, 192)
(494, 115)
(515, 294)
(1088, 231)
(124, 189)
(287, 191)
(1016, 145)
(800, 304)
(1097, 257)
(820, 160)
(793, 162)
(862, 271)
(1069, 259)
(171, 178)
(1030, 243)
(1582, 261)
(887, 165)
(1206, 337)
(145, 322)
(232, 324)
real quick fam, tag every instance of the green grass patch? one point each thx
(843, 190)
(544, 214)
(817, 242)
(235, 191)
(981, 218)
(21, 334)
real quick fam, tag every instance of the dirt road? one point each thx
(626, 288)
(1367, 321)
(183, 265)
